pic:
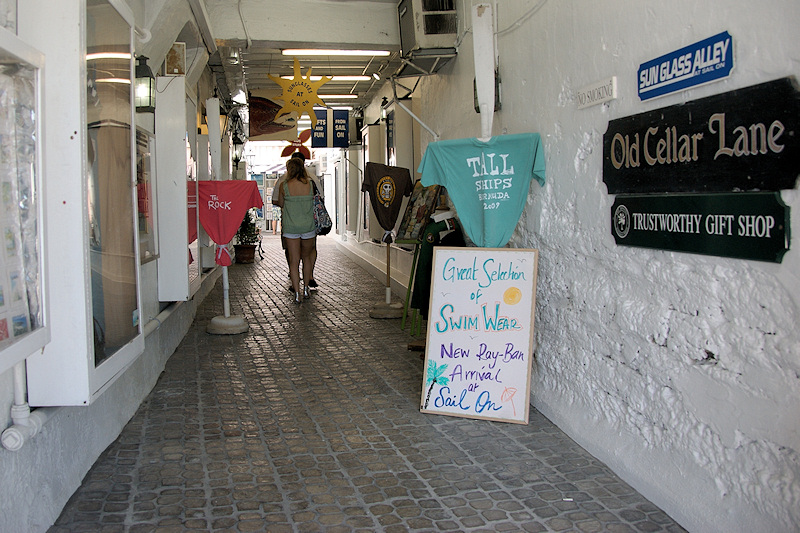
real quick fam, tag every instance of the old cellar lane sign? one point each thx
(743, 140)
(740, 225)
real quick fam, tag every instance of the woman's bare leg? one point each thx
(307, 249)
(293, 247)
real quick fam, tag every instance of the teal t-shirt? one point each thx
(488, 181)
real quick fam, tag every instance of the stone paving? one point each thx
(310, 422)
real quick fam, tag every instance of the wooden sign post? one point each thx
(480, 333)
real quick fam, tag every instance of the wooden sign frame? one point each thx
(479, 348)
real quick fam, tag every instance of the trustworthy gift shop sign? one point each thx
(741, 225)
(742, 140)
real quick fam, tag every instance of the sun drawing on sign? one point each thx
(300, 93)
(512, 296)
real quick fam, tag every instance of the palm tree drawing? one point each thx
(435, 376)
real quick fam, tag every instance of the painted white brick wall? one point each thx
(8, 15)
(680, 371)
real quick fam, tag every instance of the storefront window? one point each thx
(109, 69)
(192, 160)
(145, 199)
(21, 302)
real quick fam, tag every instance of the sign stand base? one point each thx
(227, 325)
(383, 310)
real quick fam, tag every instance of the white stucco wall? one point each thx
(681, 371)
(8, 15)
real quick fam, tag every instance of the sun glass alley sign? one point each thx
(697, 64)
(739, 142)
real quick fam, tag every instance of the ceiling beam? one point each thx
(201, 18)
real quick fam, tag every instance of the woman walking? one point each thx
(296, 200)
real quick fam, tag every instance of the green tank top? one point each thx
(298, 212)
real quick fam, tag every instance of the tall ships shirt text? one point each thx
(488, 181)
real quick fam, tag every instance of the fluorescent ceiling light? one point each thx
(335, 78)
(108, 55)
(338, 96)
(321, 52)
(113, 80)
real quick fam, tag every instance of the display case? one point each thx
(179, 264)
(23, 310)
(92, 218)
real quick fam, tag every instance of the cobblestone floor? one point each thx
(310, 422)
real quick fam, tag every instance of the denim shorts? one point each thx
(308, 235)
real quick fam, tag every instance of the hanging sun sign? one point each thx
(300, 93)
(480, 333)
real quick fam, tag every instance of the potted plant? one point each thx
(247, 237)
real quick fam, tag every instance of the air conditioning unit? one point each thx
(426, 24)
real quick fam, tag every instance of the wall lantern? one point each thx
(238, 150)
(384, 104)
(145, 90)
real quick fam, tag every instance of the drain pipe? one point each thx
(27, 423)
(155, 322)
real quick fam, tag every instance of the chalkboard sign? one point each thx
(478, 352)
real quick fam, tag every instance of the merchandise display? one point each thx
(487, 181)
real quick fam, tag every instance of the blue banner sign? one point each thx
(319, 138)
(699, 63)
(332, 129)
(341, 137)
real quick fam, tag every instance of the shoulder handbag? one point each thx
(322, 220)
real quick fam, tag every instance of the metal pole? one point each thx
(407, 110)
(226, 303)
(388, 275)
